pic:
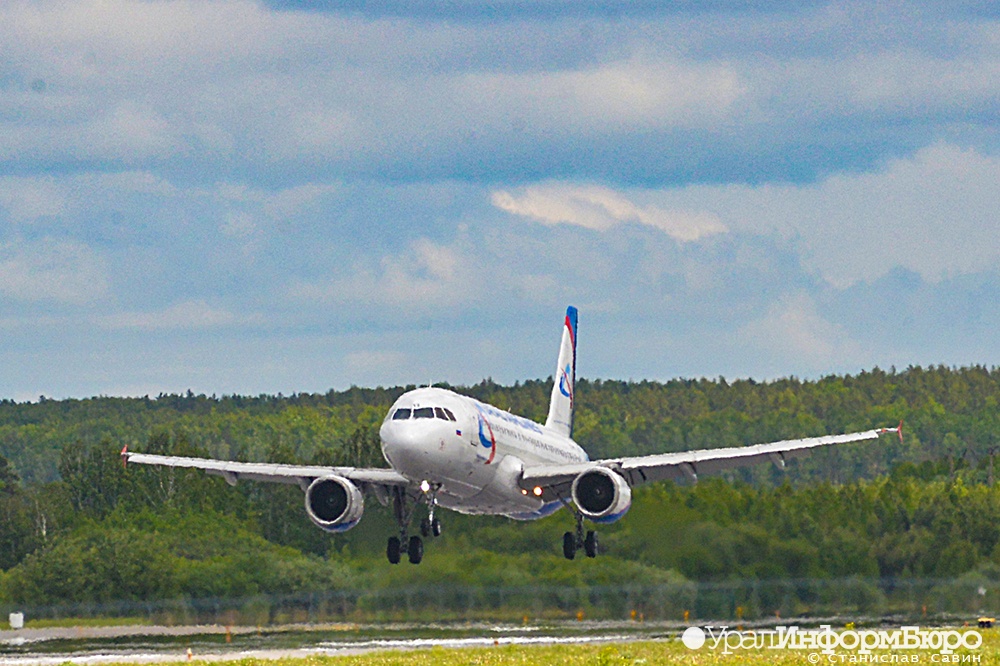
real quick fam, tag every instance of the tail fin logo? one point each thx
(565, 384)
(560, 416)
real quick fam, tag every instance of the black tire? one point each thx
(436, 527)
(393, 550)
(590, 544)
(415, 550)
(425, 527)
(569, 545)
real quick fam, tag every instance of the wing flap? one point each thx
(643, 469)
(271, 472)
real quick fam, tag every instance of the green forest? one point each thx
(77, 527)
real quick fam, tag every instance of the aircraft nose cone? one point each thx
(412, 449)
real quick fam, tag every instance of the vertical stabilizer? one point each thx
(560, 416)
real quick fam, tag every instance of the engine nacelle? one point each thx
(602, 495)
(334, 503)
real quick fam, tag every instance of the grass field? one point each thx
(645, 652)
(639, 652)
(81, 622)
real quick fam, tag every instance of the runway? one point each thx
(158, 644)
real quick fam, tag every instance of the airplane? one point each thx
(454, 452)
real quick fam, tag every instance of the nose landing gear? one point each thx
(430, 527)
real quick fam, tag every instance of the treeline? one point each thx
(147, 533)
(948, 413)
(304, 426)
(75, 525)
(169, 534)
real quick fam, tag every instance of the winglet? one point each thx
(125, 457)
(898, 430)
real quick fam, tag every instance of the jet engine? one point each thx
(334, 503)
(602, 495)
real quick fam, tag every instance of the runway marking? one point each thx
(327, 648)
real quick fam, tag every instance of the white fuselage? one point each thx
(472, 452)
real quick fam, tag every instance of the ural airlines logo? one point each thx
(486, 437)
(565, 385)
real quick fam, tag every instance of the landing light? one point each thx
(425, 485)
(537, 491)
(523, 491)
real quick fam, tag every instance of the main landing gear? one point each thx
(403, 509)
(574, 541)
(414, 550)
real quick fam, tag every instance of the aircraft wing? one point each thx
(688, 464)
(301, 475)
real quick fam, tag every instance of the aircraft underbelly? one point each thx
(465, 475)
(456, 483)
(500, 495)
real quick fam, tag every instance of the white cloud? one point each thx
(621, 95)
(238, 224)
(636, 92)
(131, 182)
(601, 208)
(933, 213)
(425, 277)
(52, 270)
(128, 132)
(793, 333)
(29, 198)
(238, 86)
(896, 81)
(428, 272)
(187, 315)
(345, 141)
(77, 199)
(293, 201)
(109, 38)
(282, 204)
(143, 81)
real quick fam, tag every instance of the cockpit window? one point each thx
(442, 413)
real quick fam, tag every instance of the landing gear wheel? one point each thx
(590, 544)
(430, 527)
(392, 551)
(415, 550)
(569, 545)
(403, 511)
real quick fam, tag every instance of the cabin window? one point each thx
(451, 417)
(423, 413)
(401, 414)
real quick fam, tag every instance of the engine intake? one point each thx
(602, 495)
(334, 503)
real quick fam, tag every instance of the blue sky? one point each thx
(258, 197)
